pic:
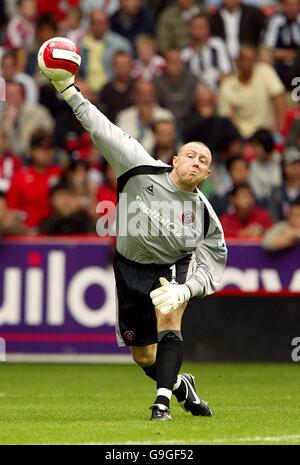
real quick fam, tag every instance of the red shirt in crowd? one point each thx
(107, 192)
(9, 165)
(29, 193)
(233, 224)
(58, 8)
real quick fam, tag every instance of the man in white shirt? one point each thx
(237, 23)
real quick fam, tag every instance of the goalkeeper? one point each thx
(159, 269)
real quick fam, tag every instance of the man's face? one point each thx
(231, 4)
(3, 141)
(204, 97)
(144, 93)
(243, 201)
(192, 164)
(131, 7)
(9, 68)
(98, 22)
(122, 66)
(174, 63)
(199, 29)
(65, 202)
(165, 134)
(185, 4)
(291, 9)
(3, 207)
(294, 217)
(292, 170)
(246, 60)
(42, 157)
(14, 94)
(239, 172)
(28, 9)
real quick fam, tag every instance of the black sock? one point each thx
(151, 371)
(180, 392)
(169, 359)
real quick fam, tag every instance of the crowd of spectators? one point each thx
(167, 72)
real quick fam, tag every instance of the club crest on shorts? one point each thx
(187, 217)
(129, 335)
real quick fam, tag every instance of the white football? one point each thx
(59, 58)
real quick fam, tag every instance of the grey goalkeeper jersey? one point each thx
(156, 221)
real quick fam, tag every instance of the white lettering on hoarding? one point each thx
(10, 309)
(75, 298)
(57, 292)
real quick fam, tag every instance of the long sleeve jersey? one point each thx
(157, 222)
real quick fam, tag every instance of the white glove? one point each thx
(66, 88)
(169, 296)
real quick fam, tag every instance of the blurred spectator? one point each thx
(69, 134)
(246, 220)
(148, 63)
(254, 96)
(265, 170)
(46, 28)
(137, 120)
(76, 175)
(9, 162)
(10, 220)
(158, 5)
(108, 189)
(172, 24)
(238, 170)
(294, 135)
(21, 28)
(97, 49)
(57, 8)
(116, 94)
(206, 56)
(21, 119)
(219, 181)
(204, 124)
(29, 192)
(108, 6)
(284, 234)
(107, 192)
(175, 87)
(3, 21)
(237, 23)
(9, 71)
(165, 144)
(73, 28)
(283, 36)
(282, 197)
(68, 216)
(131, 20)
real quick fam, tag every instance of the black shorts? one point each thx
(136, 318)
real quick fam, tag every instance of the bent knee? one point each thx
(144, 357)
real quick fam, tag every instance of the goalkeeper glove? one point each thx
(169, 296)
(67, 87)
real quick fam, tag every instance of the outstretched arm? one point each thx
(120, 150)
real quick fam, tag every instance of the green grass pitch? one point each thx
(109, 404)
